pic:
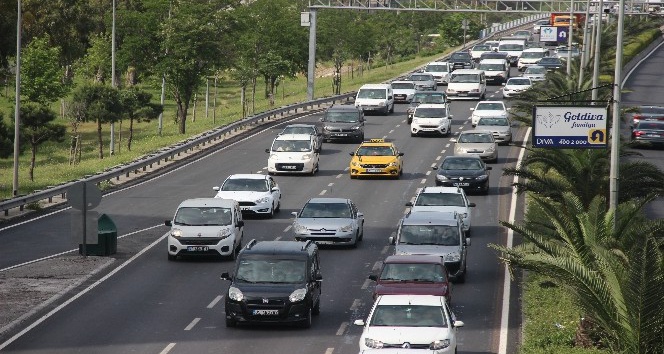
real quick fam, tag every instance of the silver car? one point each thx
(535, 73)
(423, 81)
(329, 221)
(476, 143)
(500, 127)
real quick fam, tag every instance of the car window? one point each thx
(299, 130)
(342, 117)
(429, 98)
(462, 164)
(437, 112)
(465, 78)
(408, 316)
(421, 77)
(326, 210)
(492, 67)
(494, 122)
(403, 85)
(518, 82)
(474, 138)
(203, 216)
(291, 145)
(271, 270)
(440, 199)
(535, 70)
(249, 184)
(371, 93)
(441, 235)
(490, 107)
(375, 151)
(436, 68)
(413, 272)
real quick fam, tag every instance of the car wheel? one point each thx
(172, 257)
(307, 320)
(278, 206)
(486, 190)
(353, 177)
(413, 134)
(357, 238)
(233, 255)
(230, 322)
(271, 214)
(361, 233)
(462, 277)
(483, 95)
(316, 309)
(392, 109)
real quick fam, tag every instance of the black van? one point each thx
(274, 282)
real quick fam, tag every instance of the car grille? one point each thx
(322, 232)
(401, 345)
(399, 97)
(289, 166)
(429, 126)
(246, 203)
(374, 165)
(199, 241)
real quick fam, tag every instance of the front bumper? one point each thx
(463, 95)
(200, 246)
(328, 238)
(248, 207)
(467, 185)
(484, 155)
(442, 129)
(385, 171)
(246, 311)
(343, 135)
(373, 108)
(294, 166)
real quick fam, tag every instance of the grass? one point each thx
(550, 319)
(52, 163)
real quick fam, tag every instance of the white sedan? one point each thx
(487, 109)
(256, 193)
(515, 86)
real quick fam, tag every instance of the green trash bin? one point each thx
(107, 238)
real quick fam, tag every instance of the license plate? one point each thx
(266, 312)
(653, 135)
(197, 248)
(461, 184)
(245, 208)
(463, 94)
(374, 170)
(289, 167)
(341, 134)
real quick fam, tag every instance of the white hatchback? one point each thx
(516, 85)
(293, 153)
(487, 109)
(431, 118)
(256, 193)
(410, 321)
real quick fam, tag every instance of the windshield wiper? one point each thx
(244, 279)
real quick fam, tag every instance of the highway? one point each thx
(155, 306)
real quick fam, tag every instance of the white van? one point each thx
(466, 83)
(293, 153)
(497, 71)
(514, 48)
(531, 56)
(375, 98)
(206, 227)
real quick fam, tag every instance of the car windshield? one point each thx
(375, 151)
(203, 216)
(408, 316)
(436, 68)
(429, 98)
(291, 145)
(474, 138)
(550, 61)
(461, 164)
(342, 117)
(518, 82)
(299, 130)
(492, 67)
(532, 55)
(510, 47)
(493, 121)
(403, 85)
(372, 93)
(487, 106)
(429, 272)
(481, 48)
(460, 56)
(465, 78)
(493, 55)
(535, 70)
(440, 235)
(440, 199)
(651, 110)
(326, 210)
(250, 270)
(421, 77)
(431, 112)
(245, 184)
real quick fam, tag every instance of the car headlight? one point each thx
(223, 233)
(306, 157)
(482, 177)
(452, 257)
(491, 148)
(393, 163)
(439, 344)
(416, 121)
(381, 103)
(327, 128)
(347, 228)
(273, 156)
(176, 233)
(235, 294)
(262, 200)
(459, 150)
(357, 127)
(299, 228)
(475, 90)
(298, 295)
(450, 90)
(373, 343)
(354, 163)
(442, 177)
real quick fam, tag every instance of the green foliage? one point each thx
(41, 73)
(6, 139)
(37, 128)
(451, 29)
(137, 106)
(100, 103)
(96, 64)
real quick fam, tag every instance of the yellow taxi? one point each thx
(376, 157)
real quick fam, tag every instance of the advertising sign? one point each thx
(548, 34)
(563, 33)
(570, 127)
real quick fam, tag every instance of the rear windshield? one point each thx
(403, 85)
(436, 68)
(413, 272)
(476, 138)
(326, 210)
(421, 77)
(492, 67)
(439, 235)
(408, 316)
(291, 145)
(465, 78)
(440, 199)
(532, 55)
(245, 184)
(429, 98)
(511, 47)
(501, 122)
(342, 117)
(518, 82)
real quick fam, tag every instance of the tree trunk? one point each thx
(131, 133)
(193, 116)
(101, 141)
(32, 161)
(253, 95)
(182, 115)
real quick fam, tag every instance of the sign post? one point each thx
(84, 196)
(570, 127)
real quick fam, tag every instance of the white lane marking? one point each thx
(264, 168)
(277, 238)
(192, 324)
(505, 313)
(259, 171)
(464, 123)
(347, 168)
(387, 248)
(366, 284)
(377, 265)
(355, 305)
(330, 184)
(329, 351)
(398, 125)
(342, 329)
(339, 175)
(322, 192)
(433, 165)
(384, 137)
(83, 292)
(443, 150)
(288, 228)
(72, 250)
(423, 181)
(168, 348)
(215, 301)
(637, 65)
(428, 173)
(391, 131)
(439, 157)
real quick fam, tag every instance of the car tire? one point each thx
(352, 177)
(231, 322)
(271, 214)
(307, 320)
(361, 233)
(392, 109)
(236, 249)
(486, 190)
(461, 278)
(172, 257)
(278, 208)
(316, 310)
(356, 240)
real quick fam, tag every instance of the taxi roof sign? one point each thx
(376, 140)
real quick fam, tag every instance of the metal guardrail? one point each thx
(156, 158)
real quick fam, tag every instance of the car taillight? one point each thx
(636, 117)
(637, 133)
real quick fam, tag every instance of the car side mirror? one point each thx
(472, 205)
(467, 241)
(389, 97)
(434, 168)
(322, 119)
(240, 223)
(216, 189)
(360, 215)
(267, 151)
(400, 154)
(410, 204)
(458, 324)
(226, 276)
(453, 140)
(503, 84)
(351, 153)
(294, 213)
(361, 322)
(391, 240)
(168, 223)
(318, 277)
(373, 277)
(472, 109)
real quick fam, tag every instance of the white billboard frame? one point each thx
(570, 127)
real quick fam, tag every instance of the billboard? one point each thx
(548, 34)
(570, 127)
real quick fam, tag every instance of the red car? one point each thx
(413, 275)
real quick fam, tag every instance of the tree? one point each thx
(96, 64)
(136, 106)
(6, 139)
(100, 103)
(41, 72)
(37, 128)
(614, 271)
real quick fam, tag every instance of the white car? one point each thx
(293, 153)
(487, 109)
(440, 71)
(515, 86)
(477, 50)
(403, 91)
(535, 73)
(444, 199)
(530, 57)
(410, 321)
(256, 193)
(501, 128)
(206, 227)
(479, 143)
(431, 118)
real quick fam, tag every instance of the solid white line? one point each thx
(192, 324)
(330, 184)
(322, 192)
(72, 250)
(168, 348)
(342, 329)
(505, 313)
(83, 292)
(366, 284)
(423, 181)
(215, 301)
(288, 228)
(355, 305)
(637, 65)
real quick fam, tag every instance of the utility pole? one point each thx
(112, 149)
(586, 45)
(569, 38)
(311, 69)
(615, 130)
(598, 42)
(17, 99)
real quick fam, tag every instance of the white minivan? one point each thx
(514, 48)
(497, 71)
(466, 84)
(531, 56)
(293, 153)
(375, 98)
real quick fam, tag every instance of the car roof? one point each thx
(519, 77)
(465, 157)
(414, 258)
(467, 71)
(208, 202)
(377, 143)
(329, 200)
(375, 86)
(455, 190)
(492, 61)
(431, 105)
(535, 50)
(248, 176)
(300, 125)
(431, 218)
(344, 107)
(293, 137)
(424, 300)
(402, 82)
(478, 103)
(290, 248)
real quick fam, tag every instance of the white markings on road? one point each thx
(277, 238)
(428, 173)
(391, 131)
(342, 329)
(443, 150)
(377, 265)
(192, 324)
(322, 192)
(347, 168)
(339, 175)
(259, 171)
(330, 184)
(356, 304)
(215, 301)
(288, 228)
(366, 284)
(439, 157)
(168, 348)
(423, 181)
(384, 137)
(398, 125)
(433, 165)
(329, 351)
(464, 123)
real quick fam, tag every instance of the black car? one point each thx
(550, 63)
(494, 55)
(648, 132)
(274, 282)
(467, 172)
(424, 97)
(343, 122)
(461, 60)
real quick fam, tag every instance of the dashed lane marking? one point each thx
(329, 351)
(356, 304)
(339, 175)
(342, 329)
(215, 301)
(439, 157)
(377, 265)
(434, 165)
(322, 192)
(423, 181)
(347, 168)
(277, 238)
(330, 184)
(192, 324)
(428, 173)
(384, 137)
(168, 348)
(398, 125)
(366, 284)
(288, 228)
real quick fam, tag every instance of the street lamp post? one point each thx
(112, 148)
(17, 99)
(615, 129)
(598, 42)
(569, 38)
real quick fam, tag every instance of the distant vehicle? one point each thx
(343, 122)
(461, 60)
(440, 71)
(644, 113)
(497, 71)
(550, 63)
(293, 153)
(476, 51)
(487, 109)
(513, 47)
(492, 44)
(335, 221)
(648, 132)
(431, 119)
(420, 97)
(310, 129)
(494, 55)
(531, 56)
(467, 172)
(413, 274)
(423, 81)
(535, 73)
(444, 199)
(515, 86)
(501, 128)
(375, 98)
(466, 84)
(256, 193)
(537, 27)
(476, 143)
(563, 19)
(562, 52)
(403, 91)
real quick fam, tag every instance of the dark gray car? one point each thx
(343, 122)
